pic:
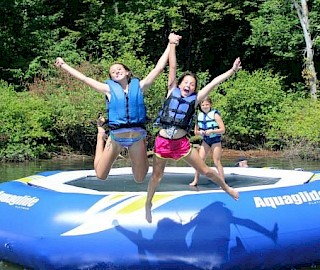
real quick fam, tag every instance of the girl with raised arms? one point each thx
(175, 120)
(126, 114)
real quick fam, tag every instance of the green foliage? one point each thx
(34, 32)
(276, 27)
(59, 115)
(24, 126)
(296, 123)
(258, 114)
(280, 41)
(315, 21)
(249, 106)
(266, 35)
(75, 108)
(42, 66)
(26, 33)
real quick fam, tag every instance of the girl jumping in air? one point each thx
(175, 120)
(126, 114)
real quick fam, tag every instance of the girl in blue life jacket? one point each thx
(174, 121)
(126, 114)
(210, 126)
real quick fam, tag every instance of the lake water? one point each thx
(11, 171)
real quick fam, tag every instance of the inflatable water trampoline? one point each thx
(72, 220)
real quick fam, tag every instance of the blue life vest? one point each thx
(207, 121)
(177, 111)
(126, 110)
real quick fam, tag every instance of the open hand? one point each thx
(59, 62)
(236, 65)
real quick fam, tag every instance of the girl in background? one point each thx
(210, 126)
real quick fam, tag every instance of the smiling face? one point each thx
(118, 72)
(205, 106)
(188, 85)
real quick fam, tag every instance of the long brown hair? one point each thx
(130, 74)
(188, 73)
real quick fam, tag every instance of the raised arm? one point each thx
(219, 79)
(161, 64)
(98, 86)
(172, 77)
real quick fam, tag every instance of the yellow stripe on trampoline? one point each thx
(139, 203)
(115, 197)
(315, 177)
(29, 178)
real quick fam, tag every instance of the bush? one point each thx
(24, 124)
(60, 114)
(248, 107)
(296, 129)
(74, 107)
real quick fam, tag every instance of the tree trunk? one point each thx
(309, 72)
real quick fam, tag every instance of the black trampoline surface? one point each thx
(170, 182)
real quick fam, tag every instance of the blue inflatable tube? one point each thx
(54, 221)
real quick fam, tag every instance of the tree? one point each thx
(27, 31)
(309, 70)
(276, 29)
(210, 30)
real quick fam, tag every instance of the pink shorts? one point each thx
(169, 148)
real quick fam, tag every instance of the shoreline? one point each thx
(250, 153)
(228, 153)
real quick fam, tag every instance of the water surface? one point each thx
(11, 171)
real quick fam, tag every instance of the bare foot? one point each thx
(148, 213)
(100, 126)
(194, 183)
(233, 193)
(101, 121)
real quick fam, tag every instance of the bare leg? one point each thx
(106, 153)
(157, 173)
(216, 156)
(195, 161)
(139, 160)
(101, 136)
(203, 152)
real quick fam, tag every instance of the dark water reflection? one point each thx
(11, 171)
